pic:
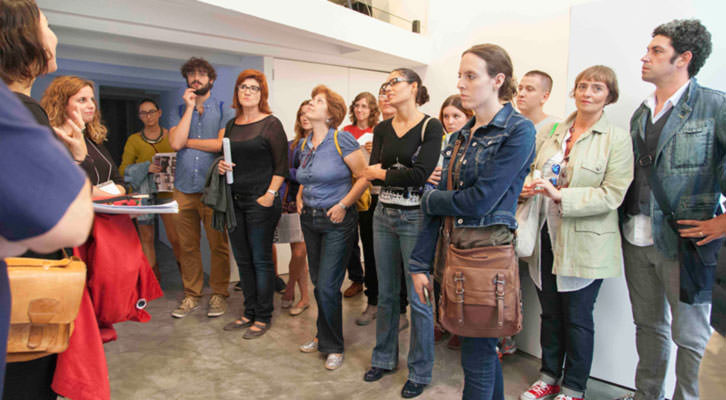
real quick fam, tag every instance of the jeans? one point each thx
(191, 212)
(482, 370)
(396, 231)
(568, 328)
(252, 248)
(365, 223)
(659, 315)
(328, 246)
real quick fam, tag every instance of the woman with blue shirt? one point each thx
(326, 203)
(496, 149)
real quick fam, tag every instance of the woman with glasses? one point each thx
(582, 170)
(141, 147)
(331, 163)
(259, 165)
(405, 152)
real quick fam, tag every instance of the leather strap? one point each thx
(459, 282)
(499, 282)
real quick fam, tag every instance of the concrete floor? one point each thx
(193, 358)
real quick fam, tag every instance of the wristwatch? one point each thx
(340, 203)
(273, 192)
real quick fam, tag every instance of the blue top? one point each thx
(38, 183)
(325, 177)
(191, 164)
(492, 173)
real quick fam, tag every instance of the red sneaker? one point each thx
(540, 391)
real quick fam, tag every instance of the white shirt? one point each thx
(637, 230)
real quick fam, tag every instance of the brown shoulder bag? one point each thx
(46, 296)
(480, 292)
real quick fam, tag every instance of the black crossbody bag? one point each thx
(697, 263)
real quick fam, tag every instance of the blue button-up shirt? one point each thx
(192, 164)
(325, 177)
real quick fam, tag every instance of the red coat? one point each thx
(119, 284)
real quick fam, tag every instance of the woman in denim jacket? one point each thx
(586, 165)
(497, 147)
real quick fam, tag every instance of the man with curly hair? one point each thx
(679, 139)
(196, 134)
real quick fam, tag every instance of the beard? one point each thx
(202, 90)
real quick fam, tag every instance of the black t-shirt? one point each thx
(259, 150)
(408, 160)
(39, 114)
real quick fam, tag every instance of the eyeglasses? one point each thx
(143, 114)
(392, 82)
(253, 89)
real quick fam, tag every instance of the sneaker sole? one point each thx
(182, 315)
(548, 397)
(215, 314)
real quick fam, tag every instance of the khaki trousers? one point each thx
(191, 213)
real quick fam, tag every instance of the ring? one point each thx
(701, 233)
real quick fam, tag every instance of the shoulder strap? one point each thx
(449, 220)
(554, 128)
(337, 146)
(423, 129)
(647, 160)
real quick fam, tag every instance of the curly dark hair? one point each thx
(688, 35)
(198, 64)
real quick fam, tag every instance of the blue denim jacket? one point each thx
(192, 164)
(689, 159)
(491, 178)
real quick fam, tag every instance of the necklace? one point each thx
(152, 141)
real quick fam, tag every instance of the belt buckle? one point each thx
(645, 161)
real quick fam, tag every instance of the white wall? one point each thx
(534, 33)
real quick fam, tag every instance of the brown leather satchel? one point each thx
(480, 289)
(46, 296)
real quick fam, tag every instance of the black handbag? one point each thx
(697, 263)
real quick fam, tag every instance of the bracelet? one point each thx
(272, 192)
(340, 203)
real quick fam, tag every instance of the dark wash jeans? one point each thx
(482, 369)
(328, 247)
(568, 328)
(251, 243)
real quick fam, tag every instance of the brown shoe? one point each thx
(254, 334)
(353, 289)
(454, 343)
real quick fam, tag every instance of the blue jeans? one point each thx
(328, 247)
(395, 233)
(251, 244)
(568, 328)
(482, 371)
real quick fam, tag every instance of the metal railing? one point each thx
(366, 7)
